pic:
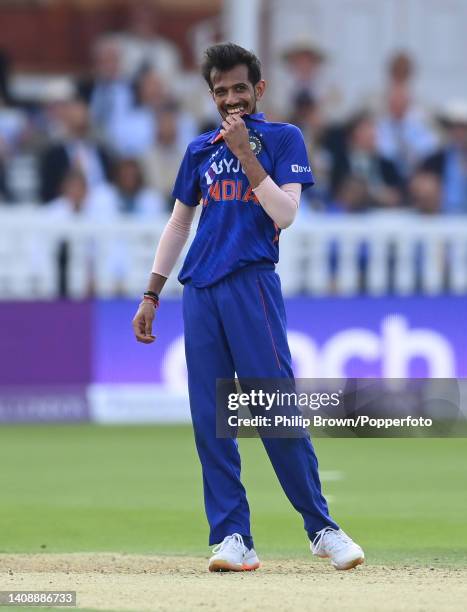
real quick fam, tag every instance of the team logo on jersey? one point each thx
(255, 144)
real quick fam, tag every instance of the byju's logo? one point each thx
(296, 168)
(224, 165)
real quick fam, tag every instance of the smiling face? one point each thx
(233, 92)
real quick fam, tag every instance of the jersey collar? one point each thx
(254, 117)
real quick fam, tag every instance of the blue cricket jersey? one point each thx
(234, 230)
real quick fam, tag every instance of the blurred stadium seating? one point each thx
(119, 108)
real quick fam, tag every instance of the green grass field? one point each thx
(138, 490)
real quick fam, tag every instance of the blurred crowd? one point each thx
(110, 143)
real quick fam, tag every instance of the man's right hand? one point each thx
(142, 323)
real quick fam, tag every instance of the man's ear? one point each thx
(260, 88)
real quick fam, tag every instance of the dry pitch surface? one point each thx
(133, 582)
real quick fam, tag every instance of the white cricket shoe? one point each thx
(339, 547)
(231, 555)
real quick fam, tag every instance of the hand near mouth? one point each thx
(235, 134)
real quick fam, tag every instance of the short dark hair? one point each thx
(225, 56)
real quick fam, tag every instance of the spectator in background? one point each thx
(5, 195)
(400, 72)
(304, 76)
(131, 131)
(308, 116)
(425, 198)
(4, 191)
(49, 120)
(304, 59)
(360, 158)
(12, 119)
(132, 196)
(403, 133)
(100, 205)
(352, 196)
(4, 77)
(72, 198)
(425, 193)
(162, 161)
(142, 47)
(76, 198)
(13, 126)
(401, 69)
(449, 163)
(75, 150)
(77, 201)
(108, 92)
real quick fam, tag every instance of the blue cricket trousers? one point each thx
(239, 325)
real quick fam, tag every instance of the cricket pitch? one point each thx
(105, 581)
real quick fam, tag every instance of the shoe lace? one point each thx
(338, 540)
(234, 541)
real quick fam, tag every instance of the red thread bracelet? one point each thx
(152, 300)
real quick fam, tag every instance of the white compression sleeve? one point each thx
(281, 203)
(173, 238)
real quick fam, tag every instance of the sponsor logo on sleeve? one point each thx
(296, 168)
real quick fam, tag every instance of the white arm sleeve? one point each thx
(173, 238)
(281, 203)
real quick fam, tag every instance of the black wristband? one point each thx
(151, 294)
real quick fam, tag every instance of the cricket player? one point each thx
(248, 176)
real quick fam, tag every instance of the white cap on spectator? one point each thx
(455, 112)
(303, 44)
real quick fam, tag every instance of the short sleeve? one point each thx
(186, 188)
(291, 163)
